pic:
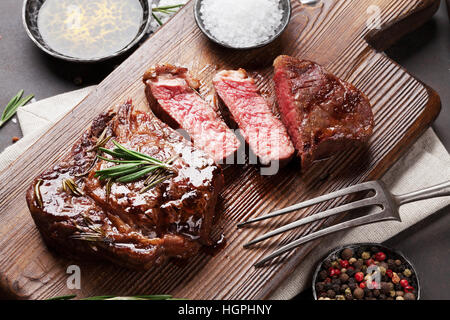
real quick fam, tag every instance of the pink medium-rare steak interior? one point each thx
(265, 133)
(171, 94)
(322, 113)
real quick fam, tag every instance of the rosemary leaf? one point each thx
(153, 184)
(70, 185)
(132, 166)
(88, 236)
(115, 154)
(135, 176)
(67, 297)
(157, 19)
(119, 161)
(165, 10)
(155, 297)
(91, 224)
(16, 98)
(13, 105)
(175, 6)
(119, 174)
(12, 102)
(136, 154)
(25, 100)
(99, 298)
(110, 297)
(137, 297)
(100, 143)
(37, 193)
(103, 142)
(118, 168)
(151, 178)
(108, 188)
(88, 170)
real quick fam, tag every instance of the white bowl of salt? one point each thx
(242, 24)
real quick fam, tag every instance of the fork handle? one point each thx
(440, 190)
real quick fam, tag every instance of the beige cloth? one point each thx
(36, 118)
(426, 163)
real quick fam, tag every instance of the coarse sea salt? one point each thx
(241, 23)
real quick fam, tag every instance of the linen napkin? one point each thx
(427, 163)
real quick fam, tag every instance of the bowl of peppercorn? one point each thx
(366, 271)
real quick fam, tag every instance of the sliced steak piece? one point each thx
(264, 132)
(125, 226)
(171, 94)
(322, 113)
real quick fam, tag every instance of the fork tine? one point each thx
(343, 192)
(338, 227)
(318, 216)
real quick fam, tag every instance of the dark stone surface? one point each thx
(425, 53)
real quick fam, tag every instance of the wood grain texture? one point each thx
(332, 33)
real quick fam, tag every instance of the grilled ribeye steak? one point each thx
(264, 132)
(172, 96)
(323, 114)
(119, 222)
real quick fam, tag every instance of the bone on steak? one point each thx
(264, 132)
(170, 92)
(129, 228)
(322, 113)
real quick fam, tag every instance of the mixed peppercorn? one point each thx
(366, 273)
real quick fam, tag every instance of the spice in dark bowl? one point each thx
(366, 271)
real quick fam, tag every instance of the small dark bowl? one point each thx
(30, 13)
(285, 4)
(355, 247)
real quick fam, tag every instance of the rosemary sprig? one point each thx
(12, 106)
(89, 236)
(165, 10)
(67, 297)
(70, 185)
(101, 142)
(94, 233)
(175, 6)
(37, 193)
(157, 19)
(132, 166)
(109, 184)
(153, 180)
(137, 297)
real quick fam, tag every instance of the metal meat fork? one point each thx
(382, 198)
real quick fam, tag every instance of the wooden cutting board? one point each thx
(333, 33)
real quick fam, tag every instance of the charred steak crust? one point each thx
(323, 114)
(128, 228)
(172, 96)
(264, 132)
